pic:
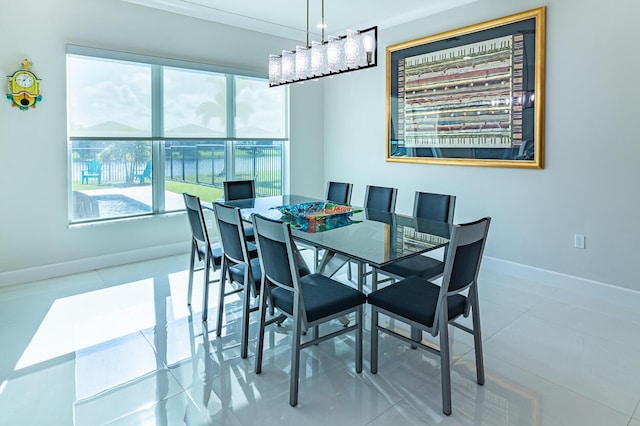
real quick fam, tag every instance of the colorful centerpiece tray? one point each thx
(317, 216)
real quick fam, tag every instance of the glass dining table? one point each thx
(372, 237)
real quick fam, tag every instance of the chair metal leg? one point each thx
(191, 268)
(223, 280)
(374, 340)
(244, 345)
(261, 327)
(477, 335)
(359, 340)
(295, 359)
(205, 291)
(316, 259)
(361, 278)
(360, 285)
(445, 362)
(416, 335)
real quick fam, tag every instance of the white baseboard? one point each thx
(557, 279)
(89, 264)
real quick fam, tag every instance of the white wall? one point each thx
(35, 239)
(307, 127)
(590, 183)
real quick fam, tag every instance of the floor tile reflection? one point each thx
(121, 346)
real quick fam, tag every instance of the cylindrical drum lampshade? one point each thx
(318, 58)
(335, 54)
(303, 62)
(288, 66)
(275, 69)
(353, 50)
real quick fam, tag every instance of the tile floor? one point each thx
(119, 346)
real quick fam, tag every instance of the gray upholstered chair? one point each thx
(339, 192)
(438, 207)
(376, 198)
(309, 300)
(208, 256)
(380, 198)
(431, 308)
(241, 190)
(240, 261)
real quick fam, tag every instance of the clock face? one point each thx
(24, 80)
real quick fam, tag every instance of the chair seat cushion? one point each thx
(249, 234)
(416, 299)
(252, 250)
(237, 272)
(323, 297)
(422, 266)
(216, 253)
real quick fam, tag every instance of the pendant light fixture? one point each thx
(354, 51)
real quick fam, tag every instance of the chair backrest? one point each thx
(239, 189)
(196, 219)
(439, 207)
(380, 198)
(232, 238)
(339, 192)
(275, 251)
(280, 259)
(464, 256)
(94, 166)
(147, 169)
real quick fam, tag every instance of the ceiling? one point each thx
(288, 18)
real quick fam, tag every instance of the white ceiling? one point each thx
(288, 18)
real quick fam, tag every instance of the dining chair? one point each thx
(241, 190)
(308, 300)
(208, 255)
(339, 192)
(380, 198)
(375, 198)
(242, 266)
(431, 308)
(426, 205)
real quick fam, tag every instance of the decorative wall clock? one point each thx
(24, 88)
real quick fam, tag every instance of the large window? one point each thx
(143, 130)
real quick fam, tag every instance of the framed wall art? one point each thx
(471, 96)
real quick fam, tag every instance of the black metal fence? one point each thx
(213, 163)
(203, 163)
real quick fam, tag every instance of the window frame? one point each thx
(157, 138)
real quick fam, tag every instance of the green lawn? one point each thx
(206, 193)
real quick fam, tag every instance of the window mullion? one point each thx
(111, 144)
(157, 131)
(231, 128)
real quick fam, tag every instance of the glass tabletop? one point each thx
(375, 237)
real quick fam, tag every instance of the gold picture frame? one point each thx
(472, 96)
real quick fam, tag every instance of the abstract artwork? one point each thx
(472, 96)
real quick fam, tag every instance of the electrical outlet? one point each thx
(578, 241)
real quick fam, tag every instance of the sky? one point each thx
(107, 94)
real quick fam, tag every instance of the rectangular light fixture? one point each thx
(354, 51)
